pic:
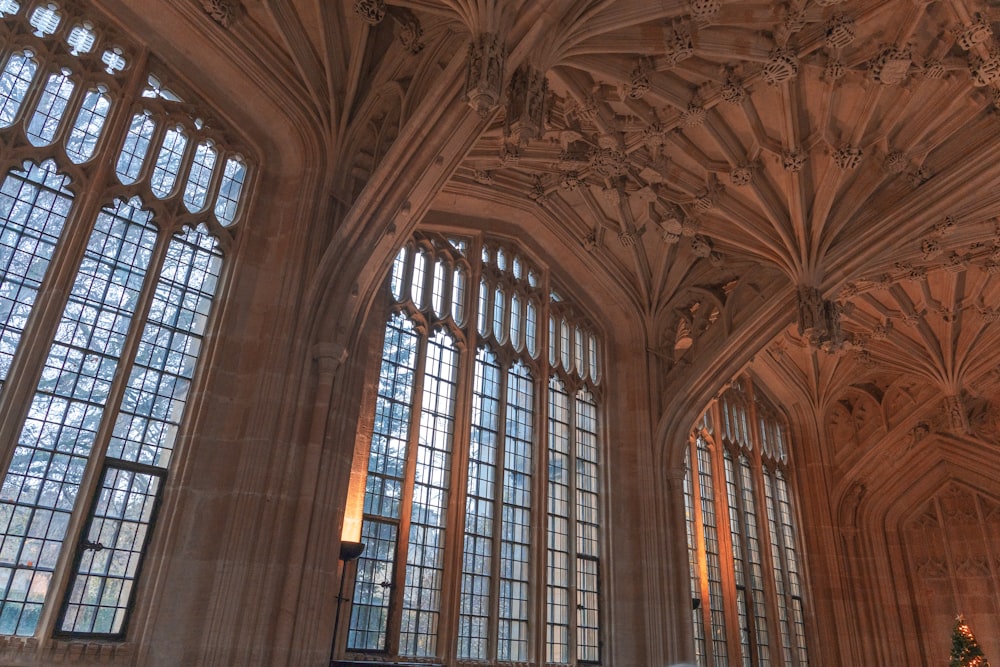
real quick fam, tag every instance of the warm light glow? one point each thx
(354, 509)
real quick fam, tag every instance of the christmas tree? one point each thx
(965, 651)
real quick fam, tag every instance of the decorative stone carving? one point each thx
(933, 69)
(782, 66)
(627, 237)
(707, 200)
(371, 11)
(956, 263)
(957, 413)
(638, 84)
(891, 65)
(704, 12)
(930, 248)
(742, 175)
(944, 227)
(408, 30)
(840, 31)
(881, 330)
(571, 181)
(919, 176)
(510, 154)
(834, 70)
(537, 193)
(223, 12)
(484, 177)
(985, 71)
(732, 90)
(932, 568)
(525, 119)
(793, 160)
(586, 110)
(693, 116)
(484, 74)
(895, 162)
(978, 32)
(701, 246)
(847, 156)
(819, 320)
(678, 43)
(609, 162)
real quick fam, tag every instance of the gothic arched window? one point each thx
(746, 583)
(482, 499)
(117, 203)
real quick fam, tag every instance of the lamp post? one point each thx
(348, 551)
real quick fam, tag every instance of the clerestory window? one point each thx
(482, 499)
(746, 582)
(118, 203)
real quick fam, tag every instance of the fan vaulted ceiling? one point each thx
(843, 151)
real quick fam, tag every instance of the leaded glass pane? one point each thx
(425, 549)
(557, 566)
(133, 155)
(50, 108)
(88, 125)
(230, 191)
(458, 295)
(157, 390)
(14, 82)
(515, 543)
(168, 162)
(200, 176)
(396, 281)
(60, 430)
(110, 553)
(383, 490)
(34, 205)
(480, 508)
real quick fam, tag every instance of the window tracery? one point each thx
(514, 443)
(746, 583)
(117, 289)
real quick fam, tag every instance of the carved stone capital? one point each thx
(484, 73)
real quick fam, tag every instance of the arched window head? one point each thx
(740, 525)
(515, 530)
(104, 383)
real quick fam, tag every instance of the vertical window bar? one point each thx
(34, 205)
(49, 111)
(756, 570)
(515, 542)
(739, 563)
(588, 617)
(791, 561)
(698, 620)
(779, 570)
(41, 484)
(384, 486)
(480, 508)
(14, 83)
(557, 570)
(425, 552)
(716, 602)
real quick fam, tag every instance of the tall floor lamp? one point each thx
(348, 551)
